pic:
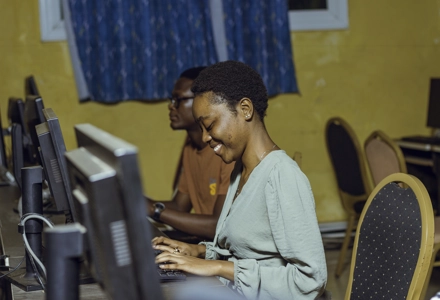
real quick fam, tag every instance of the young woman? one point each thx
(267, 243)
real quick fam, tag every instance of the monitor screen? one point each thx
(104, 174)
(3, 158)
(434, 104)
(17, 152)
(33, 115)
(30, 86)
(16, 112)
(52, 149)
(16, 116)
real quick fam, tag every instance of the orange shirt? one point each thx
(204, 176)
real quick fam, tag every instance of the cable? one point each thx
(6, 274)
(23, 220)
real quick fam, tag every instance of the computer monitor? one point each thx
(52, 149)
(16, 116)
(3, 157)
(17, 152)
(433, 119)
(16, 112)
(30, 86)
(33, 115)
(104, 175)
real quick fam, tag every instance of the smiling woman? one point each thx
(267, 243)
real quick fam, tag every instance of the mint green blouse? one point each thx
(271, 233)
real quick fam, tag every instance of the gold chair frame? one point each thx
(427, 240)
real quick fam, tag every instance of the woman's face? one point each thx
(222, 129)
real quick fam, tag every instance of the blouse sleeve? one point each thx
(210, 253)
(295, 230)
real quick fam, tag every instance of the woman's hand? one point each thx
(175, 247)
(190, 258)
(189, 264)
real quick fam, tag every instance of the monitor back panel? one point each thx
(434, 104)
(52, 168)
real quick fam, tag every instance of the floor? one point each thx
(338, 286)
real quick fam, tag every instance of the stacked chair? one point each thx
(384, 157)
(352, 166)
(354, 186)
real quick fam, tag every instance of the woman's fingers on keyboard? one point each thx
(171, 246)
(160, 240)
(164, 248)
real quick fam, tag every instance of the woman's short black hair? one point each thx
(233, 81)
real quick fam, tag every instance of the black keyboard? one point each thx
(169, 275)
(433, 140)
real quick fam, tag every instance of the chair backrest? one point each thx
(384, 156)
(347, 158)
(394, 240)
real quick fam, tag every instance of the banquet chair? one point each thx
(352, 179)
(394, 241)
(435, 261)
(384, 157)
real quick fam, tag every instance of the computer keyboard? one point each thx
(433, 140)
(169, 275)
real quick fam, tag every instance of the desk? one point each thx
(424, 156)
(11, 243)
(171, 290)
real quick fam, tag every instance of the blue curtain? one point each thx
(257, 33)
(135, 49)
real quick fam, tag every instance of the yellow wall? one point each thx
(375, 75)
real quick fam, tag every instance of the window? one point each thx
(318, 15)
(51, 21)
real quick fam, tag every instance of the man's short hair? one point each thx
(192, 73)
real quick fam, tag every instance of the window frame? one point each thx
(52, 26)
(335, 17)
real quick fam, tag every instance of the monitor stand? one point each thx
(63, 254)
(25, 277)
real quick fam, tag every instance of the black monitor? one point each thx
(33, 115)
(17, 152)
(16, 109)
(30, 86)
(3, 157)
(52, 149)
(6, 178)
(16, 112)
(433, 119)
(105, 178)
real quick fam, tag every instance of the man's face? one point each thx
(180, 108)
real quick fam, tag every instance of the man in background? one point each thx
(203, 180)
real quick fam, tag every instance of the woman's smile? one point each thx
(217, 148)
